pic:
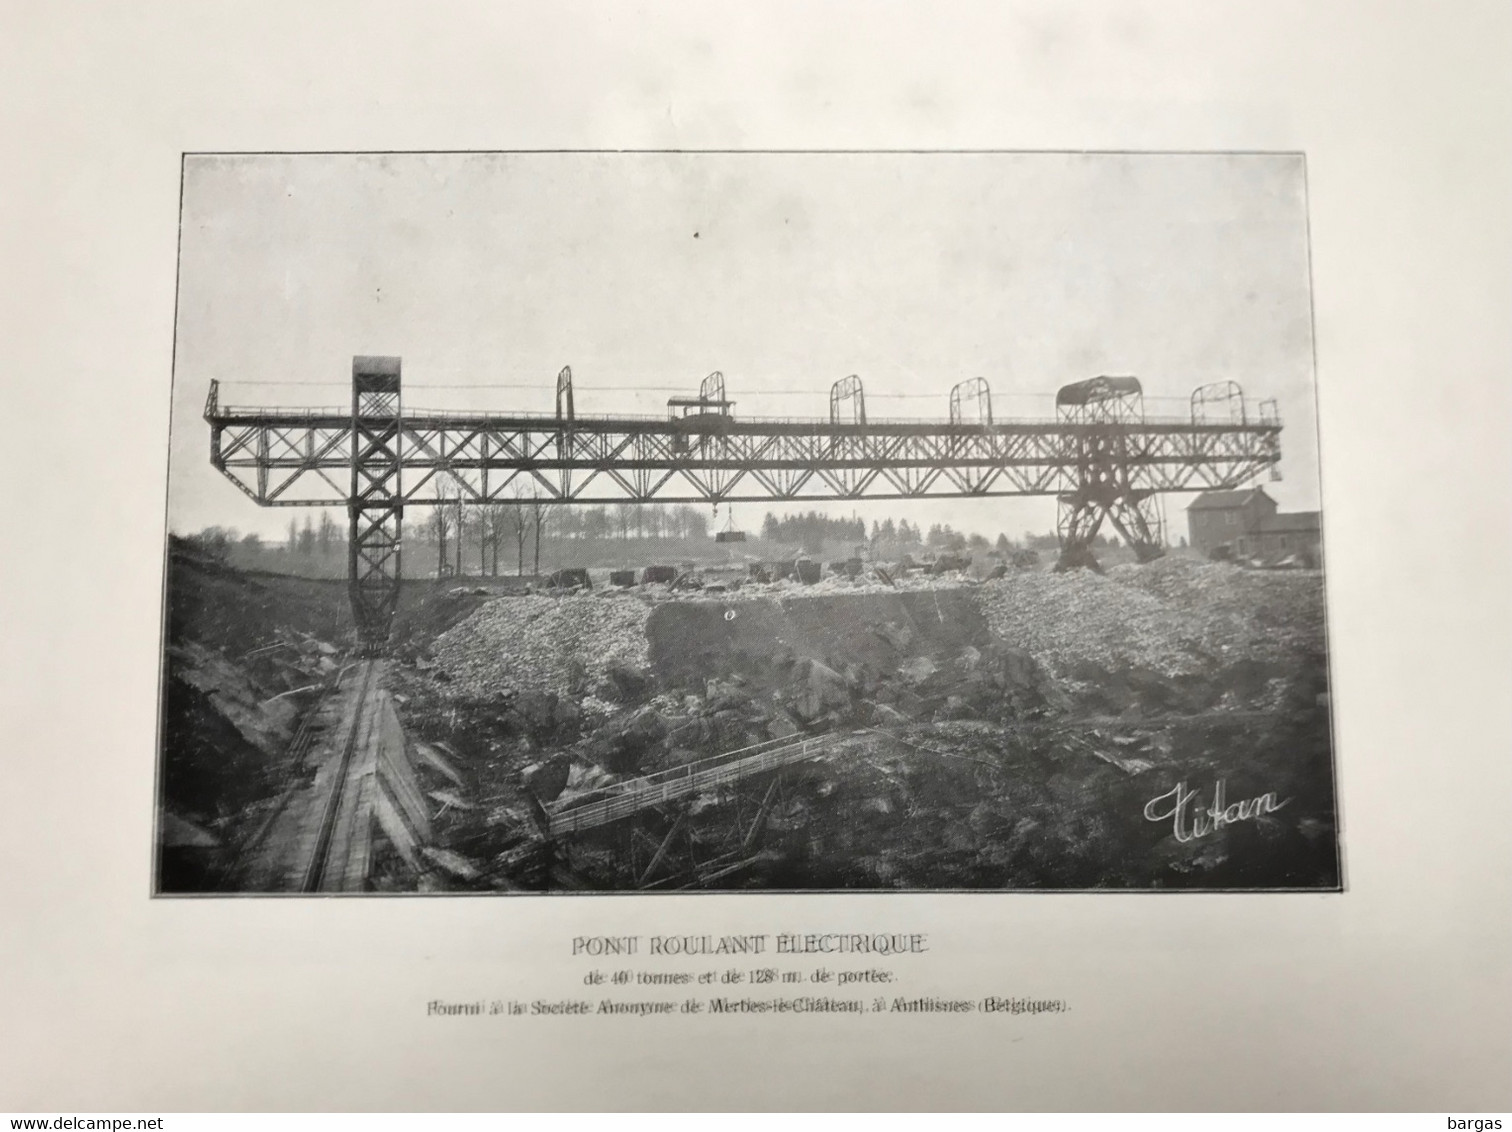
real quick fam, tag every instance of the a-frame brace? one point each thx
(1105, 490)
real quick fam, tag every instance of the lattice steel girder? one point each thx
(283, 458)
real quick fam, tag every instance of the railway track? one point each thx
(352, 780)
(317, 873)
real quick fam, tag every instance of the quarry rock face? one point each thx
(563, 644)
(996, 734)
(547, 779)
(225, 735)
(262, 721)
(820, 689)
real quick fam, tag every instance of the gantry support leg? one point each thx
(1134, 515)
(375, 508)
(1105, 488)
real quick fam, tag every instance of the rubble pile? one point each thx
(1072, 619)
(1006, 733)
(1268, 614)
(542, 644)
(746, 589)
(1175, 616)
(868, 583)
(295, 662)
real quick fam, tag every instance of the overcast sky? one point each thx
(786, 272)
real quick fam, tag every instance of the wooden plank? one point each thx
(400, 789)
(351, 836)
(666, 844)
(757, 826)
(397, 773)
(719, 874)
(397, 830)
(359, 848)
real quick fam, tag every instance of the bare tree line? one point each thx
(481, 538)
(529, 517)
(453, 522)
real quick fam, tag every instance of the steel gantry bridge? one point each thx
(1101, 456)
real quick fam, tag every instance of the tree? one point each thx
(977, 542)
(293, 543)
(435, 531)
(494, 533)
(327, 534)
(685, 521)
(813, 541)
(214, 541)
(1003, 545)
(458, 531)
(307, 538)
(442, 523)
(519, 525)
(538, 515)
(476, 520)
(595, 523)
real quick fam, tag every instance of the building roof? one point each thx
(1225, 500)
(1284, 521)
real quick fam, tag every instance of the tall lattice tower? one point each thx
(375, 506)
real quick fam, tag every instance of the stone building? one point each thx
(1249, 525)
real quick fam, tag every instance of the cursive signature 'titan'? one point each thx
(1190, 820)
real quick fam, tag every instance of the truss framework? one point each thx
(375, 507)
(297, 460)
(1100, 457)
